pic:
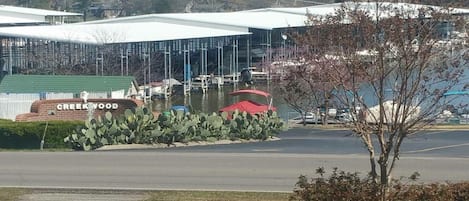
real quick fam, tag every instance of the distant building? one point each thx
(20, 16)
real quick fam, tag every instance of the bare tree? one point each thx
(297, 90)
(393, 67)
(309, 85)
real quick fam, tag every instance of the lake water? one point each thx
(214, 99)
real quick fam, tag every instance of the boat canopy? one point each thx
(248, 106)
(250, 91)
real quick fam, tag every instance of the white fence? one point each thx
(14, 104)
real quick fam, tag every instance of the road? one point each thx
(264, 166)
(313, 141)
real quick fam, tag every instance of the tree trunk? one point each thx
(326, 110)
(384, 181)
(384, 173)
(373, 173)
(366, 138)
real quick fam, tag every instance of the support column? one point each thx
(99, 61)
(124, 61)
(220, 57)
(234, 60)
(237, 59)
(2, 61)
(204, 67)
(203, 59)
(10, 59)
(54, 47)
(248, 51)
(269, 54)
(129, 49)
(147, 66)
(187, 69)
(167, 69)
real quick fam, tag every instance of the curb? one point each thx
(177, 144)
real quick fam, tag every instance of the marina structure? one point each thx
(196, 49)
(188, 44)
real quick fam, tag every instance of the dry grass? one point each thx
(11, 194)
(343, 127)
(216, 196)
(448, 127)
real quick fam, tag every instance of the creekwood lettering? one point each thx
(85, 106)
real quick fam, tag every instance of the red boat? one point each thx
(250, 106)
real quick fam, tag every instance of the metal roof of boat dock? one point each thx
(34, 11)
(178, 26)
(7, 20)
(13, 15)
(116, 32)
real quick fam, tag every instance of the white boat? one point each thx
(372, 115)
(157, 89)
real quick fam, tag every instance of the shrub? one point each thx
(338, 186)
(28, 135)
(349, 186)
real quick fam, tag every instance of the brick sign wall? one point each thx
(76, 109)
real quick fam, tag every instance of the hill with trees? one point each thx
(138, 7)
(98, 9)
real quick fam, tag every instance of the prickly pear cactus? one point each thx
(137, 126)
(141, 126)
(94, 134)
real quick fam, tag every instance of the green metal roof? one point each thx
(63, 83)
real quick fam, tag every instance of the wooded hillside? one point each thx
(101, 8)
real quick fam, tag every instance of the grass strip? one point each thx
(216, 196)
(11, 194)
(344, 127)
(14, 194)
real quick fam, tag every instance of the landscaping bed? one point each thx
(141, 126)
